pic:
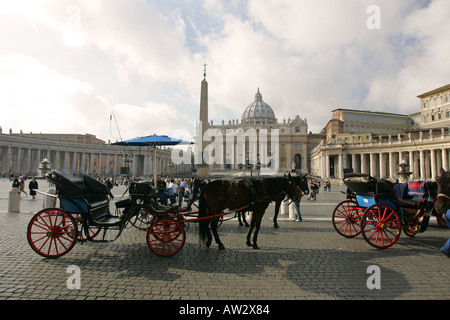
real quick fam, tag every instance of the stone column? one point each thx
(327, 165)
(411, 163)
(422, 165)
(115, 164)
(383, 165)
(444, 159)
(372, 164)
(363, 163)
(433, 163)
(91, 163)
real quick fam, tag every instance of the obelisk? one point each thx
(203, 168)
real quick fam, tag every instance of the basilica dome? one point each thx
(258, 113)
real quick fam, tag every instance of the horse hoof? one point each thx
(275, 225)
(249, 244)
(241, 224)
(221, 247)
(208, 244)
(247, 225)
(255, 247)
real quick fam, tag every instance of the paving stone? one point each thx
(299, 261)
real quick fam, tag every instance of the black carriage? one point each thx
(84, 213)
(380, 209)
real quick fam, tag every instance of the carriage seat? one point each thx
(100, 212)
(163, 210)
(411, 203)
(98, 204)
(414, 194)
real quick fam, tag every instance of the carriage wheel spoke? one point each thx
(165, 237)
(52, 232)
(381, 226)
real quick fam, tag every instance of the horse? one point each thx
(276, 189)
(218, 195)
(298, 181)
(278, 197)
(442, 203)
(245, 195)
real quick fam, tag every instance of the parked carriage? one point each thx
(380, 210)
(84, 214)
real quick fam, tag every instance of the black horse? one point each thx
(276, 189)
(246, 195)
(300, 181)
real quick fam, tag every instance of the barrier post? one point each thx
(49, 201)
(284, 208)
(14, 200)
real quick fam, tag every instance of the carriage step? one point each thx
(108, 220)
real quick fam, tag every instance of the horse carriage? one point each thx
(84, 212)
(380, 209)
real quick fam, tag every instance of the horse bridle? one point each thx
(443, 195)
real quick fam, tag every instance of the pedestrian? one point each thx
(446, 248)
(33, 186)
(181, 192)
(297, 215)
(313, 187)
(16, 183)
(171, 191)
(109, 185)
(22, 185)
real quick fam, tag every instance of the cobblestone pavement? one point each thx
(299, 261)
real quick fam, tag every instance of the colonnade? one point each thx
(23, 154)
(381, 158)
(423, 164)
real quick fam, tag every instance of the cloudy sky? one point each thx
(67, 65)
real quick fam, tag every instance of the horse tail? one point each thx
(202, 212)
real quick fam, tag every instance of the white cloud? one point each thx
(425, 64)
(143, 59)
(37, 97)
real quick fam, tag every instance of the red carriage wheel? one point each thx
(347, 218)
(143, 220)
(166, 237)
(52, 232)
(381, 225)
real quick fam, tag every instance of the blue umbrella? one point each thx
(153, 141)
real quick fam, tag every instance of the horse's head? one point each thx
(300, 181)
(442, 203)
(290, 188)
(196, 184)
